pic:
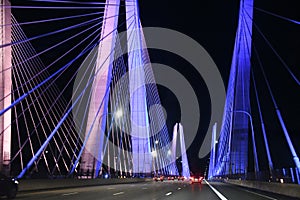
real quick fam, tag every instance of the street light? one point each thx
(119, 113)
(256, 168)
(154, 153)
(169, 152)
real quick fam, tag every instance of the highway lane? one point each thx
(176, 190)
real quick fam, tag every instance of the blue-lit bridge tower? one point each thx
(232, 152)
(230, 156)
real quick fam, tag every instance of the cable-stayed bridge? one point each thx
(113, 123)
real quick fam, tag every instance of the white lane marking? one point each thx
(110, 188)
(169, 193)
(221, 196)
(261, 195)
(144, 188)
(179, 188)
(115, 194)
(68, 194)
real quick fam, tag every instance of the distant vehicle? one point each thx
(171, 178)
(196, 179)
(158, 178)
(8, 186)
(180, 178)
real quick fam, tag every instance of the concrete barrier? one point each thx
(291, 190)
(48, 184)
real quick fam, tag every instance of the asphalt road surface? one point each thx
(176, 190)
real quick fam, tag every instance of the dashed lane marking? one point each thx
(169, 193)
(119, 193)
(68, 194)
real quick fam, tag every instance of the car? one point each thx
(180, 178)
(158, 178)
(171, 178)
(8, 186)
(196, 179)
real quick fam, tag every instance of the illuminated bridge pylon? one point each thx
(92, 156)
(237, 154)
(229, 153)
(141, 160)
(107, 127)
(131, 96)
(178, 130)
(232, 153)
(5, 87)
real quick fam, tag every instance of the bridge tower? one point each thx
(232, 152)
(178, 129)
(241, 104)
(93, 154)
(140, 128)
(5, 86)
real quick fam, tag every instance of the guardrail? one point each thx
(292, 190)
(46, 184)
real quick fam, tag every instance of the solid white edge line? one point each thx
(261, 195)
(221, 196)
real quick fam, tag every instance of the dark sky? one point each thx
(213, 27)
(213, 24)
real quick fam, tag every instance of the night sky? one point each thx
(213, 25)
(216, 34)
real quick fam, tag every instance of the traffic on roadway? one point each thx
(154, 190)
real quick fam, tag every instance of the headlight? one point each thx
(15, 181)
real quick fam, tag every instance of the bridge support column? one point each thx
(185, 164)
(212, 153)
(5, 87)
(178, 128)
(241, 106)
(92, 156)
(140, 128)
(232, 156)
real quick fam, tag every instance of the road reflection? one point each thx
(196, 187)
